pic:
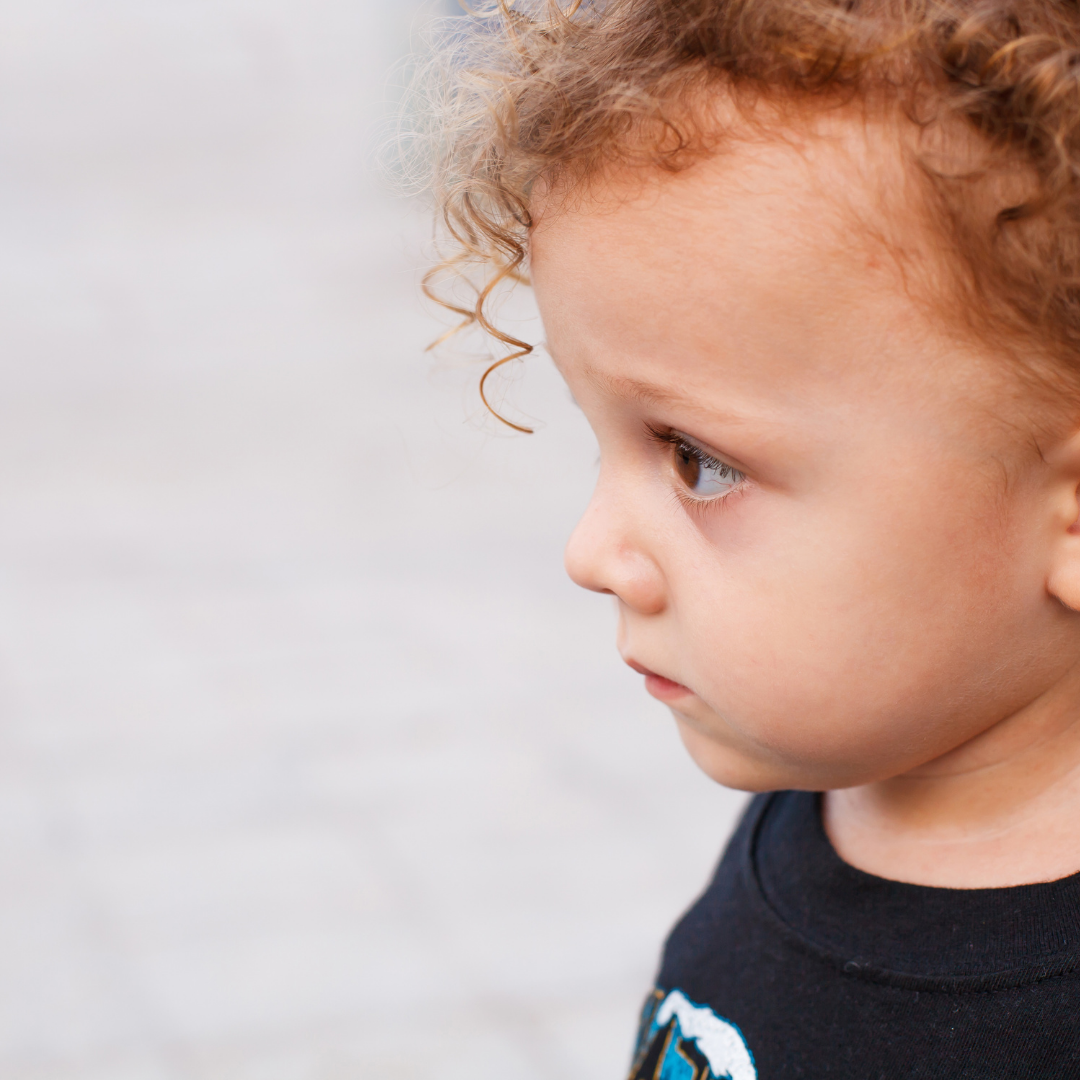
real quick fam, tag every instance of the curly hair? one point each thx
(540, 90)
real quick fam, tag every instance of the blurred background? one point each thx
(312, 763)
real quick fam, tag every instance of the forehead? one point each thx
(788, 264)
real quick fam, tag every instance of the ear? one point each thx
(1063, 580)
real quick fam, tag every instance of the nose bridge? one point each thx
(609, 549)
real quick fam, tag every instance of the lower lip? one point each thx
(664, 689)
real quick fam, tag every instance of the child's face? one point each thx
(867, 591)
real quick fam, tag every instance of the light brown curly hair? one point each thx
(536, 90)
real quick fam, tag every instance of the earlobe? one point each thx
(1064, 584)
(1063, 581)
(1063, 519)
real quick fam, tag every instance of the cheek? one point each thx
(857, 633)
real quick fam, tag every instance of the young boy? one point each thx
(812, 271)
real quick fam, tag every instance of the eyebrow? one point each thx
(635, 389)
(646, 393)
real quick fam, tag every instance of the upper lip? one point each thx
(641, 669)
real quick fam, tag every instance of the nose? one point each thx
(607, 553)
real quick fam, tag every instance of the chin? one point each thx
(752, 769)
(729, 766)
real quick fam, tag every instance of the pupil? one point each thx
(688, 467)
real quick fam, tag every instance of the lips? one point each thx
(661, 688)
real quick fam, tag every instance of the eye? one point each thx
(701, 473)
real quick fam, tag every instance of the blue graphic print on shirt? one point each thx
(680, 1040)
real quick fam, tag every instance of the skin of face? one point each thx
(884, 596)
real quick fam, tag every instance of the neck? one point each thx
(1000, 810)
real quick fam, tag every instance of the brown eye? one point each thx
(702, 473)
(687, 466)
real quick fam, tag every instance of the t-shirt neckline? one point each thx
(871, 926)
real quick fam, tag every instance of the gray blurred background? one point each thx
(313, 763)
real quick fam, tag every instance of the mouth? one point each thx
(661, 688)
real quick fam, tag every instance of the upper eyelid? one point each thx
(708, 458)
(672, 436)
(711, 455)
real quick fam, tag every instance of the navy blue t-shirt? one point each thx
(795, 964)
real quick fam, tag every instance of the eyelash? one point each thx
(667, 437)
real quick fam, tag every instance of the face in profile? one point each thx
(816, 507)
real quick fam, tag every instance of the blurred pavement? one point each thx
(313, 765)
